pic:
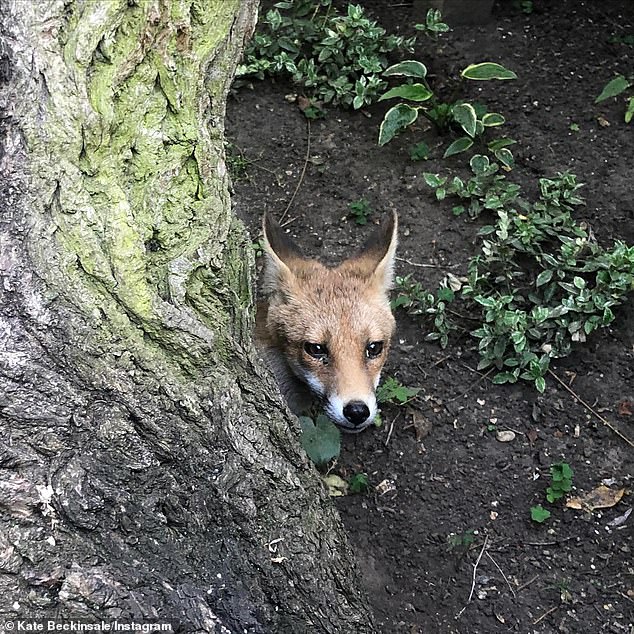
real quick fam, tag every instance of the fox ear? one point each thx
(376, 259)
(281, 253)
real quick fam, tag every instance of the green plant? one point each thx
(321, 439)
(461, 541)
(337, 58)
(360, 211)
(420, 152)
(411, 296)
(560, 484)
(470, 120)
(540, 282)
(433, 25)
(560, 481)
(627, 39)
(539, 514)
(237, 163)
(394, 392)
(614, 88)
(359, 483)
(258, 248)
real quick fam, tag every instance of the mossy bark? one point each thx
(148, 471)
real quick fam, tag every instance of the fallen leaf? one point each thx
(337, 486)
(386, 486)
(624, 407)
(600, 498)
(603, 122)
(303, 102)
(422, 425)
(532, 435)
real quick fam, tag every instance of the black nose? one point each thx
(357, 412)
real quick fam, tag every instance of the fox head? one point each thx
(332, 325)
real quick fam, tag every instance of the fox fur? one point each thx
(325, 331)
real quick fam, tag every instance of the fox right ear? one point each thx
(280, 252)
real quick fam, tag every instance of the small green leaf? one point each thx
(408, 68)
(498, 144)
(539, 514)
(359, 483)
(544, 277)
(485, 71)
(505, 156)
(445, 294)
(434, 180)
(540, 384)
(320, 440)
(491, 119)
(459, 145)
(613, 88)
(413, 92)
(479, 163)
(420, 151)
(395, 120)
(465, 116)
(629, 111)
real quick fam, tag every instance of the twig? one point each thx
(427, 266)
(288, 222)
(502, 573)
(482, 377)
(528, 583)
(544, 615)
(301, 176)
(591, 409)
(389, 434)
(475, 570)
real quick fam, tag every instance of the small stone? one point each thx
(505, 435)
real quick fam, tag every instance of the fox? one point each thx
(325, 332)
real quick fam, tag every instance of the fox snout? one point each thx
(328, 329)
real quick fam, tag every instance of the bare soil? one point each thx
(449, 476)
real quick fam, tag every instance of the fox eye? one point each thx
(316, 350)
(374, 349)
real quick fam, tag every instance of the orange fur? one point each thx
(343, 309)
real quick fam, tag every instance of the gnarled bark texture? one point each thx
(148, 471)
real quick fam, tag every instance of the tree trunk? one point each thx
(148, 471)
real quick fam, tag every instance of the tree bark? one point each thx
(148, 470)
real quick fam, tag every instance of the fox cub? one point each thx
(325, 331)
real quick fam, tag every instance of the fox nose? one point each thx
(357, 412)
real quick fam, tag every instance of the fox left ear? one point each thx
(281, 255)
(376, 259)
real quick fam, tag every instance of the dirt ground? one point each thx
(454, 479)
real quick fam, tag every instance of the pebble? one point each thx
(505, 435)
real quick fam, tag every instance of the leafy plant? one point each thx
(337, 58)
(359, 483)
(433, 25)
(468, 119)
(560, 484)
(393, 391)
(258, 248)
(561, 481)
(411, 296)
(360, 210)
(614, 88)
(540, 282)
(237, 163)
(539, 514)
(461, 541)
(321, 439)
(420, 152)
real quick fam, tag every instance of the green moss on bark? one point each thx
(141, 201)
